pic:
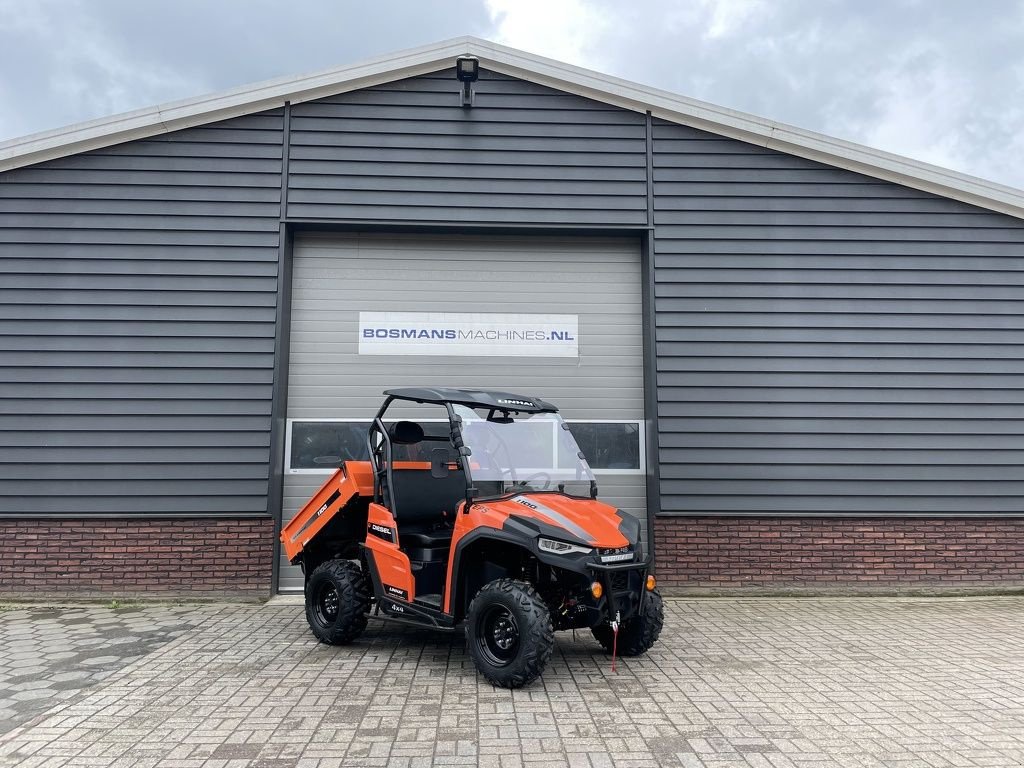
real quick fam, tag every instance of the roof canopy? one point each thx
(526, 66)
(474, 398)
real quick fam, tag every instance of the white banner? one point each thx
(466, 334)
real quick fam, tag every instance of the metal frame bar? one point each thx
(650, 351)
(282, 326)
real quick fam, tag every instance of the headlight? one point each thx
(561, 547)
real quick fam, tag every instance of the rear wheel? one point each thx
(337, 601)
(509, 633)
(636, 634)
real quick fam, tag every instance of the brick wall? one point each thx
(158, 558)
(840, 554)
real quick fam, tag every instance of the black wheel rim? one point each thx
(325, 604)
(497, 635)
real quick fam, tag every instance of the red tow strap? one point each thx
(615, 640)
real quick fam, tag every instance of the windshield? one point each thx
(527, 452)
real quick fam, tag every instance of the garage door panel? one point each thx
(336, 277)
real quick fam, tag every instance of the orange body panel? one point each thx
(353, 478)
(392, 563)
(596, 520)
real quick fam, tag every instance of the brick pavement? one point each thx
(734, 682)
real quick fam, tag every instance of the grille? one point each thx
(620, 581)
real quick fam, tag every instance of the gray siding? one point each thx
(826, 342)
(137, 301)
(524, 154)
(831, 343)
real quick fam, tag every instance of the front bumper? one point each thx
(624, 585)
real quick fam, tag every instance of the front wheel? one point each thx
(509, 633)
(637, 634)
(337, 601)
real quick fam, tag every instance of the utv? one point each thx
(486, 516)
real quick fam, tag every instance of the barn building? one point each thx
(798, 360)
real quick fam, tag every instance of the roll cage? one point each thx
(381, 450)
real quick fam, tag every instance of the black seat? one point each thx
(423, 505)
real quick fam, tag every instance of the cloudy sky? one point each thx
(937, 80)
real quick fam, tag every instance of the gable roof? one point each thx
(259, 97)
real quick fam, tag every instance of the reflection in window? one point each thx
(608, 446)
(326, 444)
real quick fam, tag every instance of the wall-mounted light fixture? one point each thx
(467, 70)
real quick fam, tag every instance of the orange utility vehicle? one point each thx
(482, 513)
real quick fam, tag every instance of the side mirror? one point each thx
(439, 463)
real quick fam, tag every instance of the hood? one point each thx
(586, 521)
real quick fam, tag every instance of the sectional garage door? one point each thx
(333, 391)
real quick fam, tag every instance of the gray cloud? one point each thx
(938, 80)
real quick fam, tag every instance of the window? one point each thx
(611, 446)
(318, 447)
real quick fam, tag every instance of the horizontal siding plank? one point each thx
(130, 236)
(684, 216)
(183, 312)
(444, 182)
(84, 283)
(876, 378)
(674, 501)
(738, 279)
(249, 225)
(25, 210)
(115, 252)
(148, 349)
(378, 142)
(164, 470)
(926, 232)
(427, 168)
(481, 157)
(363, 109)
(829, 250)
(709, 351)
(255, 273)
(142, 390)
(43, 376)
(483, 214)
(708, 183)
(872, 442)
(106, 501)
(883, 489)
(813, 304)
(833, 410)
(679, 368)
(115, 438)
(473, 132)
(404, 199)
(98, 162)
(103, 331)
(200, 177)
(917, 339)
(128, 426)
(849, 320)
(871, 292)
(121, 194)
(864, 393)
(796, 423)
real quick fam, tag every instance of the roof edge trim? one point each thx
(671, 107)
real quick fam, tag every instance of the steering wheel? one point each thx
(536, 476)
